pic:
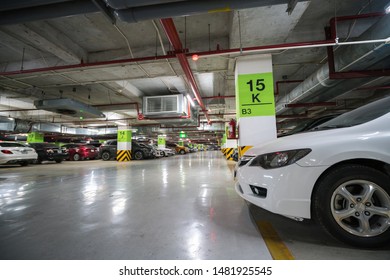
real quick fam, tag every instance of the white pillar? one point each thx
(124, 135)
(255, 102)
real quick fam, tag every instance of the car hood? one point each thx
(328, 146)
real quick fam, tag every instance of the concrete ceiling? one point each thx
(82, 50)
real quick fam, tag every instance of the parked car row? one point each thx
(108, 150)
(17, 153)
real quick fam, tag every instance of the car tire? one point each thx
(351, 203)
(138, 155)
(58, 160)
(24, 163)
(182, 152)
(76, 157)
(163, 154)
(106, 156)
(38, 161)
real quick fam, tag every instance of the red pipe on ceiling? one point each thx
(331, 34)
(87, 65)
(163, 57)
(285, 82)
(173, 37)
(178, 48)
(333, 21)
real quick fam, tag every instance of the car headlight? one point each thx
(244, 160)
(279, 159)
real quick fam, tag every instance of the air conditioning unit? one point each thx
(165, 106)
(70, 107)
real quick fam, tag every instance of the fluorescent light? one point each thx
(190, 100)
(120, 123)
(387, 9)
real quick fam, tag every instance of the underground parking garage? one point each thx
(194, 130)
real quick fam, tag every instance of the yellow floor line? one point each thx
(276, 247)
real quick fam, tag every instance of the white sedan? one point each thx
(16, 153)
(338, 175)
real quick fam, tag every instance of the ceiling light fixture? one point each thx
(387, 9)
(120, 123)
(190, 100)
(195, 57)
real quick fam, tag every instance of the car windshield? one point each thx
(5, 144)
(358, 116)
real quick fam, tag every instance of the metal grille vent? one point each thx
(165, 105)
(162, 104)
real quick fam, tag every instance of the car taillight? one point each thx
(7, 152)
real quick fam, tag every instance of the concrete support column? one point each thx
(255, 103)
(123, 151)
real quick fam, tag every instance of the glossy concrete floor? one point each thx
(182, 207)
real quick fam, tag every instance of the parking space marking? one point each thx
(275, 245)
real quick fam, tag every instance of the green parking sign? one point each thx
(255, 95)
(124, 135)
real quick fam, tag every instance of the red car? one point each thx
(81, 151)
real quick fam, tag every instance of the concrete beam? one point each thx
(31, 37)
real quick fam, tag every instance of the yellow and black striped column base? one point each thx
(228, 153)
(242, 150)
(123, 155)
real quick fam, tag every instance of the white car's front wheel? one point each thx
(352, 203)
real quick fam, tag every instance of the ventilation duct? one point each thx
(165, 106)
(69, 107)
(47, 127)
(184, 8)
(7, 124)
(125, 10)
(22, 126)
(318, 87)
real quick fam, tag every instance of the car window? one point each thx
(5, 144)
(89, 146)
(360, 115)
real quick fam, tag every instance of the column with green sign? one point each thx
(124, 135)
(35, 137)
(161, 141)
(255, 102)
